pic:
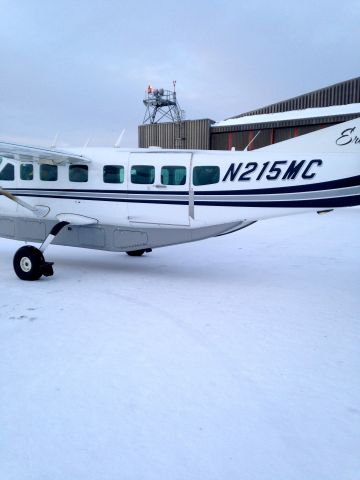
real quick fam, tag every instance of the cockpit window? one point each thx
(48, 173)
(8, 172)
(206, 175)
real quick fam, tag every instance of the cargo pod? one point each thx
(158, 187)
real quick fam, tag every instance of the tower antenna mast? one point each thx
(161, 105)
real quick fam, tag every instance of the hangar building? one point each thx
(264, 126)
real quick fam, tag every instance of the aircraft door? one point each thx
(158, 186)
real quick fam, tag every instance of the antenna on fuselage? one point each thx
(86, 144)
(54, 142)
(251, 141)
(118, 141)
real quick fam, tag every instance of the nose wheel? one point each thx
(29, 264)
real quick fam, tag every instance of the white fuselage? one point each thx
(154, 197)
(251, 186)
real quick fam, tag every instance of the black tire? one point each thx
(136, 253)
(28, 262)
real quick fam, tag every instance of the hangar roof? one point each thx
(333, 110)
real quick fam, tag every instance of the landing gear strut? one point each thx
(29, 262)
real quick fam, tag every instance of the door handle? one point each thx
(160, 186)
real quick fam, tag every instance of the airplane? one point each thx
(134, 200)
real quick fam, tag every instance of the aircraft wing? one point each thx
(24, 153)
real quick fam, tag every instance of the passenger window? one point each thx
(142, 174)
(173, 175)
(48, 173)
(26, 171)
(8, 172)
(113, 174)
(78, 173)
(206, 175)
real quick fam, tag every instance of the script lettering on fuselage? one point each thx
(347, 136)
(278, 170)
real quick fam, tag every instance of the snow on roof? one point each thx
(291, 115)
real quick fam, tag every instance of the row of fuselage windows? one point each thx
(140, 174)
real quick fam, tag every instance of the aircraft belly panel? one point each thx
(93, 237)
(129, 239)
(31, 230)
(7, 228)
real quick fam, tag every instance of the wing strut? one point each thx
(39, 211)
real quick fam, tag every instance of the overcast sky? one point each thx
(80, 68)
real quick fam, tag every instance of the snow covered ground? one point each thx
(233, 358)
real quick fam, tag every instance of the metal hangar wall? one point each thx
(185, 134)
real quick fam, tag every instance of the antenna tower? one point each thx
(161, 105)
